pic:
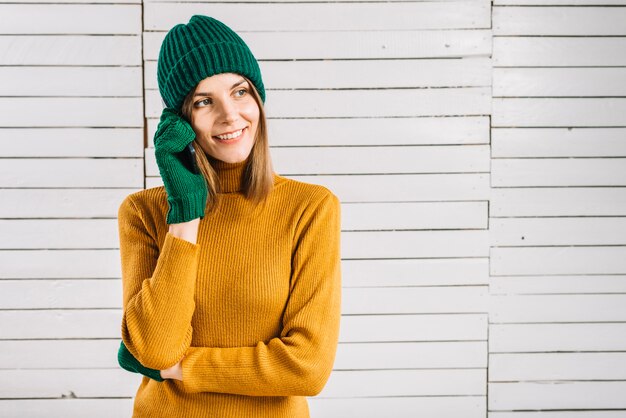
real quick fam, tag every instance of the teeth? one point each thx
(230, 136)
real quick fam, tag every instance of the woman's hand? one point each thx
(186, 191)
(174, 372)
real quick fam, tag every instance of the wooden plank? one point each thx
(410, 215)
(71, 172)
(70, 50)
(353, 44)
(64, 383)
(424, 355)
(560, 2)
(48, 19)
(410, 300)
(415, 272)
(556, 366)
(402, 407)
(61, 294)
(560, 414)
(63, 408)
(395, 188)
(422, 382)
(556, 395)
(499, 285)
(409, 244)
(557, 231)
(61, 203)
(466, 72)
(60, 264)
(296, 1)
(557, 308)
(515, 172)
(559, 82)
(559, 112)
(59, 354)
(557, 260)
(558, 142)
(558, 201)
(96, 112)
(58, 234)
(515, 338)
(471, 101)
(572, 21)
(71, 81)
(358, 160)
(325, 16)
(558, 51)
(396, 328)
(464, 130)
(60, 323)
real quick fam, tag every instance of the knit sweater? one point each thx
(253, 306)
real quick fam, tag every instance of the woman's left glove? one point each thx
(130, 363)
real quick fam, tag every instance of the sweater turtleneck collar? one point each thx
(229, 174)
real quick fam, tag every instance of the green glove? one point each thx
(130, 363)
(186, 191)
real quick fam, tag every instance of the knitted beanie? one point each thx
(202, 48)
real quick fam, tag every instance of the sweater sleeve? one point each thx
(299, 362)
(158, 291)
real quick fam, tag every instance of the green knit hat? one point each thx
(202, 48)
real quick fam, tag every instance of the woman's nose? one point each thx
(229, 110)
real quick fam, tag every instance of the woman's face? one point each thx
(224, 104)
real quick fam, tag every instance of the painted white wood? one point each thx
(528, 338)
(558, 52)
(59, 354)
(369, 131)
(50, 19)
(82, 383)
(61, 203)
(557, 231)
(358, 103)
(422, 382)
(431, 327)
(61, 294)
(571, 21)
(560, 414)
(96, 112)
(559, 112)
(557, 308)
(330, 16)
(402, 407)
(467, 72)
(559, 2)
(554, 201)
(60, 323)
(557, 81)
(557, 366)
(409, 300)
(556, 395)
(59, 264)
(423, 355)
(401, 187)
(71, 81)
(70, 50)
(414, 272)
(558, 260)
(511, 172)
(501, 285)
(58, 234)
(64, 408)
(551, 142)
(289, 1)
(353, 44)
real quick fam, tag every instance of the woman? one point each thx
(231, 276)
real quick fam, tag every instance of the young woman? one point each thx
(231, 275)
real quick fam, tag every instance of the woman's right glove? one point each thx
(186, 191)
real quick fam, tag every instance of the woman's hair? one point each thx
(258, 177)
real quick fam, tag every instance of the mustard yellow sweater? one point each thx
(254, 306)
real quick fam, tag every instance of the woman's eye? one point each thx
(202, 102)
(244, 90)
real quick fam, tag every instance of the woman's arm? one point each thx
(158, 288)
(299, 362)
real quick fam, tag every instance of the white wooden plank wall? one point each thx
(557, 317)
(71, 148)
(453, 306)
